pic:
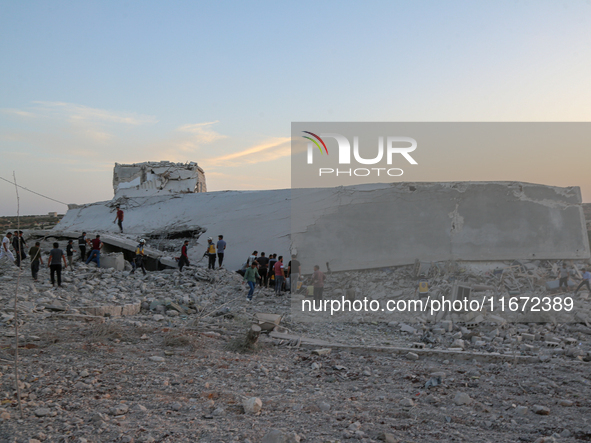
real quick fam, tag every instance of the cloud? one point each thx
(200, 133)
(77, 113)
(17, 112)
(270, 150)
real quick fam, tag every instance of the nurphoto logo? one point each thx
(393, 146)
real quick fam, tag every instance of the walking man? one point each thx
(55, 267)
(119, 218)
(95, 254)
(250, 277)
(184, 259)
(221, 245)
(70, 253)
(279, 275)
(5, 251)
(294, 269)
(210, 251)
(35, 254)
(586, 278)
(318, 283)
(138, 261)
(82, 242)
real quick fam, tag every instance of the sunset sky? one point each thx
(85, 84)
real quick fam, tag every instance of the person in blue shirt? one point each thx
(586, 278)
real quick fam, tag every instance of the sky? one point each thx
(85, 84)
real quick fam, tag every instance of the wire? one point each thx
(41, 195)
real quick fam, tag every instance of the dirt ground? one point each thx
(169, 378)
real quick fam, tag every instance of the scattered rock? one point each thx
(462, 398)
(252, 405)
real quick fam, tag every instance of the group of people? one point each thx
(214, 251)
(267, 271)
(260, 269)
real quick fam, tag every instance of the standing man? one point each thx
(119, 218)
(138, 260)
(70, 253)
(250, 276)
(294, 269)
(17, 248)
(279, 275)
(263, 265)
(210, 251)
(563, 277)
(5, 251)
(271, 271)
(318, 283)
(35, 254)
(95, 254)
(82, 242)
(586, 278)
(55, 267)
(221, 245)
(184, 259)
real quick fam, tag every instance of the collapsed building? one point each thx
(157, 178)
(348, 228)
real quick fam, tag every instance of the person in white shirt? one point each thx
(5, 249)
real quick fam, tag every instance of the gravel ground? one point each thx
(177, 375)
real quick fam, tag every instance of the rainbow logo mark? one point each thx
(315, 142)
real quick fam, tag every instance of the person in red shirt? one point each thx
(95, 255)
(184, 260)
(279, 275)
(119, 218)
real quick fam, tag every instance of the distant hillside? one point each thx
(29, 222)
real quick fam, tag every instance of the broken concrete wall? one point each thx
(366, 226)
(153, 178)
(372, 226)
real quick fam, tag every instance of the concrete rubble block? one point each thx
(412, 356)
(277, 436)
(530, 337)
(406, 328)
(418, 345)
(407, 403)
(521, 410)
(115, 261)
(252, 405)
(322, 351)
(540, 410)
(462, 398)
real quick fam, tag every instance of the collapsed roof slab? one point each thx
(366, 226)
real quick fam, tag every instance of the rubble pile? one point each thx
(120, 357)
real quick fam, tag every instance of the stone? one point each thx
(322, 351)
(462, 399)
(388, 438)
(42, 412)
(406, 328)
(276, 436)
(521, 410)
(407, 403)
(5, 415)
(540, 410)
(176, 406)
(412, 356)
(120, 409)
(324, 406)
(156, 358)
(565, 402)
(252, 405)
